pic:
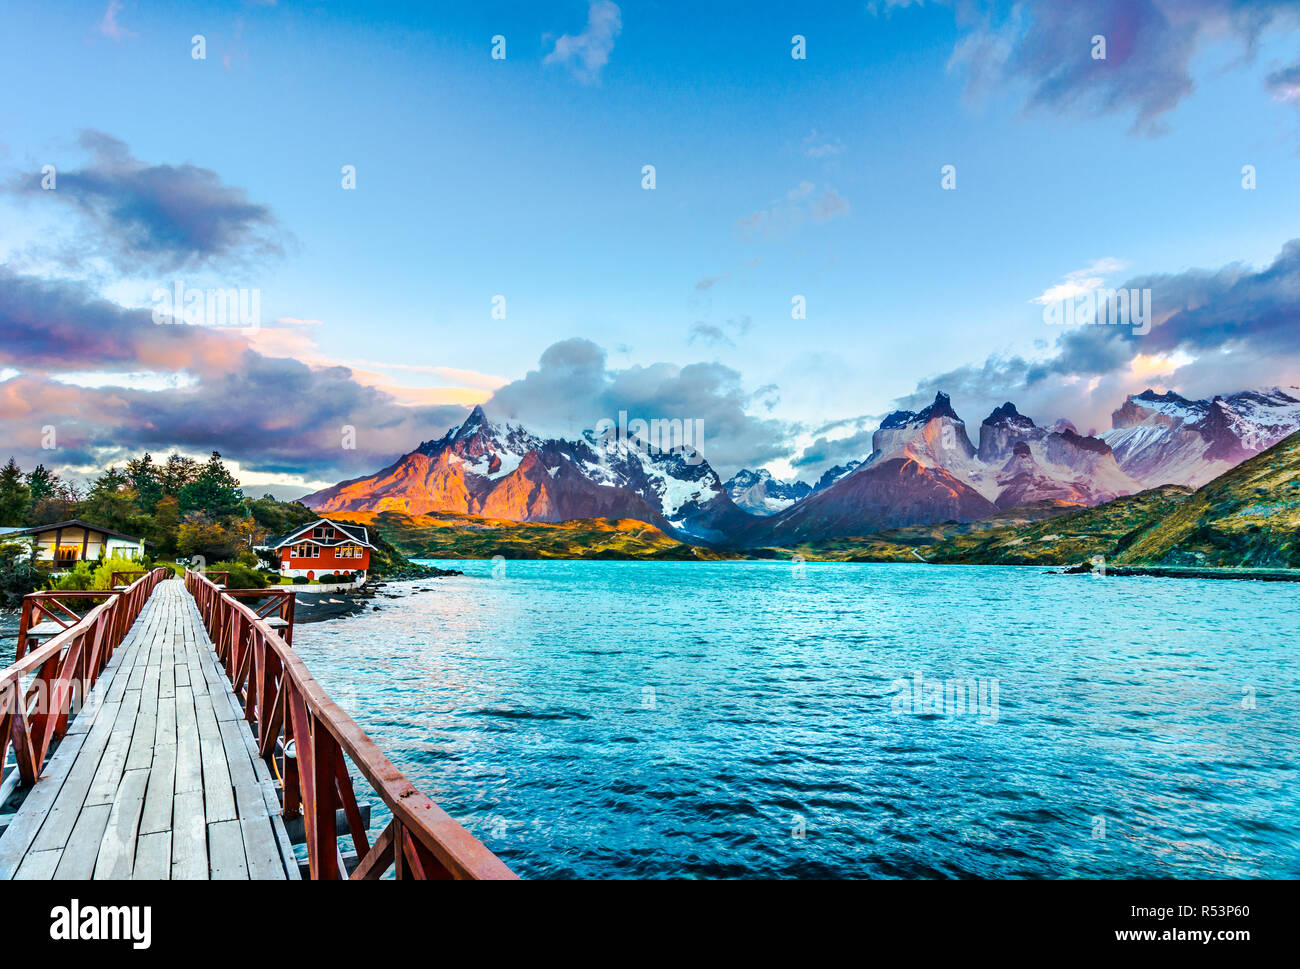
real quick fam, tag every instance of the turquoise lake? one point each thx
(760, 720)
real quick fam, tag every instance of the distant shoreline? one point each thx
(1154, 571)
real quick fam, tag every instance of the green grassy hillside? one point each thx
(1247, 517)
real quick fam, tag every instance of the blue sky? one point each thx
(775, 177)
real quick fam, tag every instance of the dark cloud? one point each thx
(573, 388)
(63, 326)
(158, 218)
(1150, 45)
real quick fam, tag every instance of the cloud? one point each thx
(587, 53)
(836, 443)
(1285, 84)
(801, 205)
(573, 388)
(109, 26)
(716, 336)
(708, 282)
(1079, 282)
(158, 218)
(1046, 45)
(816, 147)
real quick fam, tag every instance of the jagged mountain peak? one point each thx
(1007, 414)
(942, 407)
(1168, 397)
(759, 493)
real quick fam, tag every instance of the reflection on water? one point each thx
(609, 719)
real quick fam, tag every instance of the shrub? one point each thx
(300, 580)
(17, 574)
(80, 578)
(241, 576)
(104, 569)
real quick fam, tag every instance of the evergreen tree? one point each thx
(176, 474)
(15, 496)
(111, 502)
(43, 484)
(146, 482)
(215, 492)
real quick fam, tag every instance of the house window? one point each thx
(322, 532)
(348, 552)
(304, 551)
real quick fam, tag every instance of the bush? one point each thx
(300, 580)
(17, 574)
(241, 576)
(80, 578)
(104, 569)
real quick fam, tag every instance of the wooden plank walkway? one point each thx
(159, 776)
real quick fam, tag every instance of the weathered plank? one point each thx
(157, 814)
(82, 849)
(153, 860)
(226, 840)
(189, 837)
(117, 848)
(38, 866)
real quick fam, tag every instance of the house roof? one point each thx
(349, 534)
(77, 523)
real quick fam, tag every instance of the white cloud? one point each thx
(109, 26)
(1080, 282)
(587, 53)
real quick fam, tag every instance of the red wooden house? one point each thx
(324, 548)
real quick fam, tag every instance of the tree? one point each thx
(15, 496)
(111, 502)
(17, 574)
(167, 520)
(215, 492)
(176, 474)
(53, 499)
(146, 482)
(200, 535)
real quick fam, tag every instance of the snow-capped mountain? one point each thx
(504, 471)
(1168, 439)
(758, 493)
(923, 468)
(832, 475)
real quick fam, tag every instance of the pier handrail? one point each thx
(34, 715)
(306, 735)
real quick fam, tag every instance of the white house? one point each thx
(63, 544)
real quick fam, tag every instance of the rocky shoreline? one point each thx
(323, 606)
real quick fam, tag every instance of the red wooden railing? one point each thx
(125, 578)
(308, 738)
(35, 714)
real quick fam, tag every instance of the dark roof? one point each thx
(354, 533)
(76, 523)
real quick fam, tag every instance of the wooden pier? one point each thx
(201, 734)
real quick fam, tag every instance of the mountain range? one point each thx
(923, 467)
